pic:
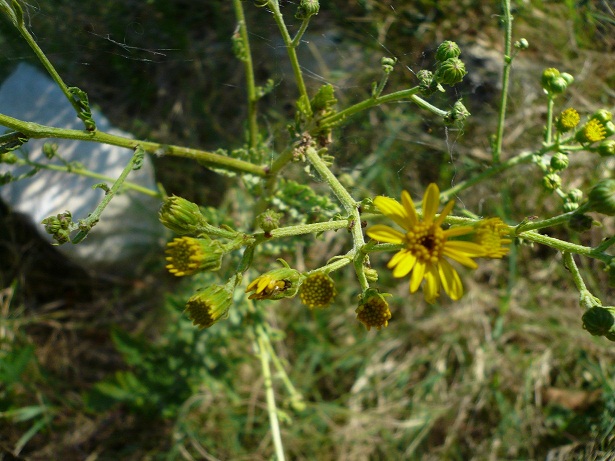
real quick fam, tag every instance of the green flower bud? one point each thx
(606, 148)
(388, 64)
(559, 161)
(602, 197)
(268, 221)
(569, 206)
(447, 50)
(580, 222)
(181, 216)
(8, 157)
(307, 9)
(522, 44)
(603, 116)
(575, 195)
(551, 181)
(317, 290)
(457, 114)
(373, 310)
(371, 274)
(209, 306)
(547, 77)
(427, 84)
(609, 128)
(598, 320)
(450, 72)
(567, 78)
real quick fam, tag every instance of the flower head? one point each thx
(567, 120)
(593, 131)
(275, 284)
(426, 246)
(181, 216)
(187, 255)
(490, 235)
(209, 306)
(373, 310)
(317, 290)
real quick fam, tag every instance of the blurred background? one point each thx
(99, 365)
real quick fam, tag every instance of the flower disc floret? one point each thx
(593, 131)
(491, 234)
(373, 310)
(426, 247)
(567, 120)
(317, 290)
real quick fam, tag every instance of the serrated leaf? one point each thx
(301, 201)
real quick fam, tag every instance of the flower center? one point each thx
(425, 242)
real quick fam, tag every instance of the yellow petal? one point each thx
(392, 209)
(457, 231)
(431, 289)
(403, 265)
(417, 276)
(450, 280)
(459, 257)
(471, 249)
(385, 234)
(447, 209)
(431, 202)
(408, 204)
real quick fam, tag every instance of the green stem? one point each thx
(86, 224)
(586, 299)
(554, 221)
(410, 93)
(34, 130)
(564, 246)
(89, 174)
(47, 64)
(301, 229)
(290, 48)
(262, 339)
(524, 157)
(338, 263)
(281, 372)
(507, 19)
(302, 28)
(250, 83)
(549, 130)
(351, 208)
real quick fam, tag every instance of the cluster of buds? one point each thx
(450, 70)
(59, 226)
(555, 82)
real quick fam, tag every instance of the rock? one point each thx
(129, 228)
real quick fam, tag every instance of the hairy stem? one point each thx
(34, 130)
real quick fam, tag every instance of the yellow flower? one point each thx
(187, 255)
(567, 120)
(489, 235)
(426, 244)
(275, 284)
